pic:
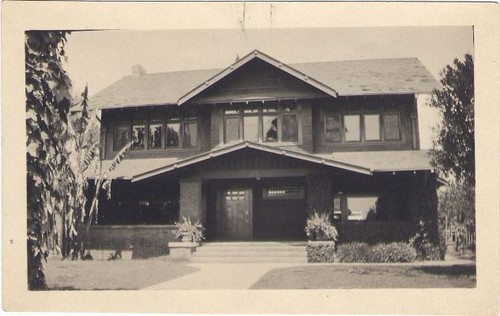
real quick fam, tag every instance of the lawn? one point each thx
(111, 275)
(366, 276)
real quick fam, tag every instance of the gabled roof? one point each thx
(360, 162)
(256, 54)
(342, 78)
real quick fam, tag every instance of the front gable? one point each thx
(257, 77)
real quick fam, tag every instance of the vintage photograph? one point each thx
(249, 159)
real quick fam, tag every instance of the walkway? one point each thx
(219, 276)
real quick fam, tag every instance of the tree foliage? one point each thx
(454, 143)
(59, 150)
(48, 100)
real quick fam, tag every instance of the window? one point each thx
(361, 128)
(155, 134)
(332, 128)
(190, 137)
(372, 127)
(121, 136)
(392, 128)
(231, 129)
(175, 131)
(268, 123)
(352, 128)
(173, 134)
(138, 135)
(355, 208)
(283, 191)
(290, 128)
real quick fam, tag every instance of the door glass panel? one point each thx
(372, 127)
(232, 129)
(352, 131)
(251, 128)
(290, 128)
(270, 128)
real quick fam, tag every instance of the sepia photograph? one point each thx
(250, 158)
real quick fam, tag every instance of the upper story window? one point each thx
(173, 131)
(361, 127)
(266, 123)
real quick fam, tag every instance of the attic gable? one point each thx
(253, 72)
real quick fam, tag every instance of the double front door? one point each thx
(234, 214)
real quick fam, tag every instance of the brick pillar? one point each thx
(190, 201)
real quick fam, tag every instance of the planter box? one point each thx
(182, 249)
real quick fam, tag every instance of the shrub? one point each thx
(380, 253)
(319, 227)
(425, 248)
(320, 252)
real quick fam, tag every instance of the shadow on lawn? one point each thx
(453, 270)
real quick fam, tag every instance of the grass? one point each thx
(111, 275)
(366, 276)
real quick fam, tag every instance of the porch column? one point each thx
(190, 199)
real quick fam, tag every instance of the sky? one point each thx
(99, 58)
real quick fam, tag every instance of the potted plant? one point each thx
(188, 230)
(319, 227)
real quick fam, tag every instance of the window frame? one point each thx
(261, 113)
(360, 138)
(344, 205)
(339, 116)
(379, 128)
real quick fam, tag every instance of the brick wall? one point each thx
(143, 240)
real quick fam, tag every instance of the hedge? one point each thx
(320, 252)
(378, 253)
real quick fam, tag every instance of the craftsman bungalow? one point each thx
(252, 149)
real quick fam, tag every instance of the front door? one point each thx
(234, 214)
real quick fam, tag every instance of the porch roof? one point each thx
(360, 162)
(337, 78)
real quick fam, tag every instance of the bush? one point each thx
(379, 253)
(320, 252)
(425, 248)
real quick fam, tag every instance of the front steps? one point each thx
(250, 252)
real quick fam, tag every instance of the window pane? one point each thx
(361, 208)
(391, 127)
(270, 128)
(351, 125)
(251, 110)
(290, 128)
(155, 133)
(372, 127)
(232, 129)
(121, 136)
(337, 210)
(332, 128)
(290, 108)
(251, 128)
(190, 137)
(173, 134)
(138, 135)
(231, 110)
(270, 109)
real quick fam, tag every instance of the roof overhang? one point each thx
(257, 54)
(223, 150)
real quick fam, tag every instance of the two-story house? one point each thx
(252, 149)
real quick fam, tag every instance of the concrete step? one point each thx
(250, 252)
(263, 254)
(196, 259)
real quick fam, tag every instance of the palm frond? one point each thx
(118, 159)
(89, 157)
